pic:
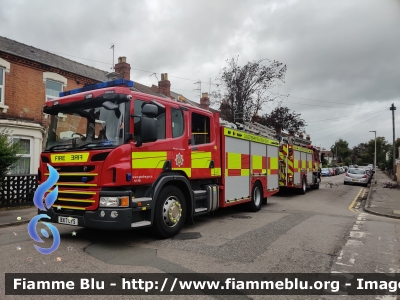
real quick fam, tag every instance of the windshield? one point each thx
(356, 171)
(86, 128)
(324, 169)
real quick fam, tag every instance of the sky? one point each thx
(342, 57)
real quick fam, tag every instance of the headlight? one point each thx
(109, 201)
(114, 201)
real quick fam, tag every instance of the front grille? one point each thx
(75, 178)
(74, 169)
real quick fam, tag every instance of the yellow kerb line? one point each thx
(355, 199)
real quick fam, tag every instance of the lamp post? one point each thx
(374, 155)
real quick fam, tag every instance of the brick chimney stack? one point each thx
(308, 137)
(164, 85)
(123, 68)
(205, 101)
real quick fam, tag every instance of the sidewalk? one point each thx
(17, 216)
(383, 201)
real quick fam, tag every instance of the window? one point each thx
(2, 85)
(200, 129)
(178, 124)
(160, 120)
(23, 165)
(53, 89)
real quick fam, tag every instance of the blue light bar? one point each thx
(101, 85)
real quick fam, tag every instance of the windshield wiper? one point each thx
(100, 143)
(56, 146)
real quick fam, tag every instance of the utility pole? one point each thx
(112, 47)
(374, 156)
(393, 108)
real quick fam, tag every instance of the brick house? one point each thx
(30, 76)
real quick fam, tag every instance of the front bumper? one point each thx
(93, 219)
(356, 180)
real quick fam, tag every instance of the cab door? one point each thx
(202, 145)
(179, 126)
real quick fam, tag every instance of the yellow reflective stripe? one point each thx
(188, 171)
(301, 149)
(148, 160)
(273, 163)
(71, 207)
(74, 192)
(244, 172)
(249, 137)
(303, 164)
(256, 161)
(216, 172)
(290, 164)
(234, 160)
(74, 200)
(201, 160)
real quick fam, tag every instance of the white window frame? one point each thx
(2, 84)
(30, 155)
(56, 78)
(49, 97)
(4, 68)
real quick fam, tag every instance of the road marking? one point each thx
(355, 199)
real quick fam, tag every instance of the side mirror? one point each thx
(150, 110)
(111, 106)
(148, 130)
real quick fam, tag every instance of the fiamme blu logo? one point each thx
(43, 206)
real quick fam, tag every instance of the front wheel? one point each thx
(256, 197)
(170, 212)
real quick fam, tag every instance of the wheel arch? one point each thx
(174, 179)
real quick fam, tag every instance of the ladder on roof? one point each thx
(259, 129)
(295, 140)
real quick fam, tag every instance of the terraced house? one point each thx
(30, 76)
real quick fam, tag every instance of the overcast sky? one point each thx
(342, 56)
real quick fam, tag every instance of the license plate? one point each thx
(356, 180)
(68, 221)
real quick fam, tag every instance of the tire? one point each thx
(303, 189)
(170, 212)
(316, 186)
(265, 201)
(256, 198)
(345, 183)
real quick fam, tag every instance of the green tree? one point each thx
(365, 152)
(340, 150)
(282, 118)
(244, 88)
(8, 153)
(389, 163)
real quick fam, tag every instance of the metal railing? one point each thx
(17, 190)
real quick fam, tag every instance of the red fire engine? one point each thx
(127, 159)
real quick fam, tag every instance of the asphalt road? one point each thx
(323, 231)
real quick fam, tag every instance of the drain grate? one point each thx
(187, 236)
(241, 217)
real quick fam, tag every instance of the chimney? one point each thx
(308, 137)
(205, 101)
(256, 118)
(301, 135)
(165, 85)
(123, 68)
(278, 130)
